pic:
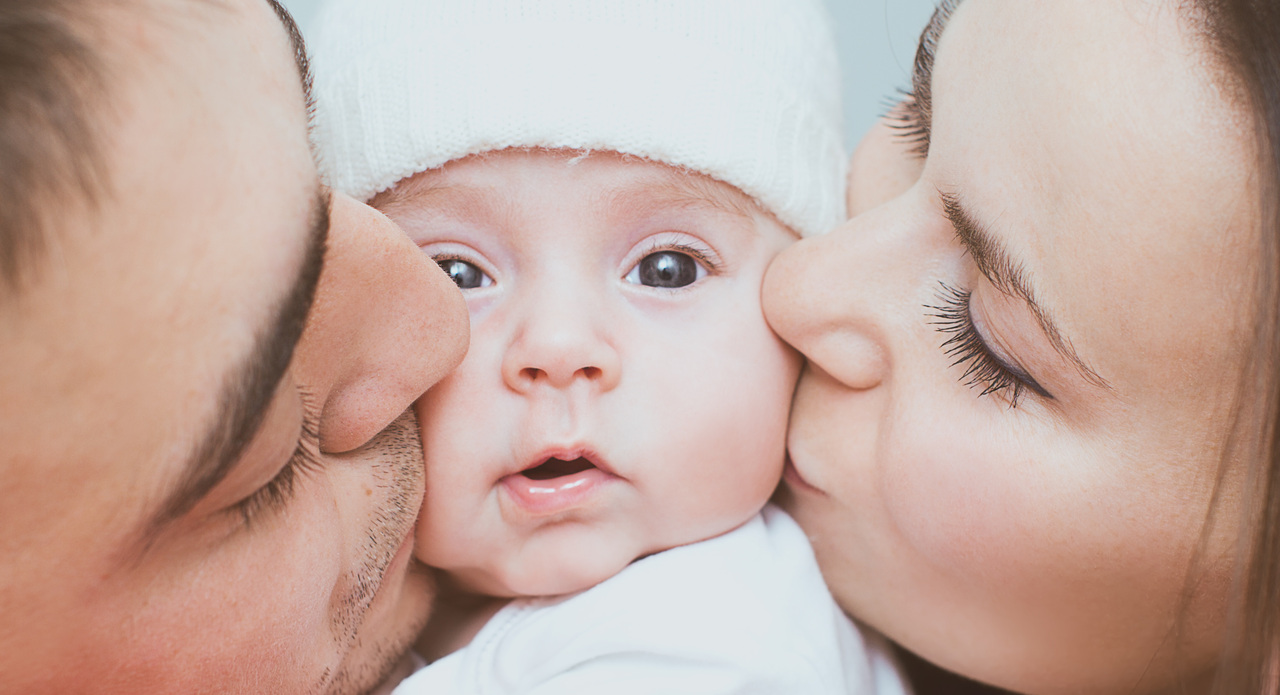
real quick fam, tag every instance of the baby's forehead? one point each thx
(624, 183)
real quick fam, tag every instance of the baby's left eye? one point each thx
(667, 269)
(467, 276)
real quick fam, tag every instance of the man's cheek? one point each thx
(255, 614)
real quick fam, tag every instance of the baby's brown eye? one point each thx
(667, 269)
(465, 275)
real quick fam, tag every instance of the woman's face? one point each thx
(1022, 367)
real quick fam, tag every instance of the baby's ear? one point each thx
(882, 168)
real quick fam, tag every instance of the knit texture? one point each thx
(744, 91)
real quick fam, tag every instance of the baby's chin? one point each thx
(553, 581)
(536, 576)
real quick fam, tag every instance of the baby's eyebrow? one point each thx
(409, 197)
(404, 192)
(682, 191)
(677, 190)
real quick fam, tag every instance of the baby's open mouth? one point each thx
(567, 479)
(557, 468)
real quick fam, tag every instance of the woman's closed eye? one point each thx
(983, 368)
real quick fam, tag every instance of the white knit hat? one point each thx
(745, 91)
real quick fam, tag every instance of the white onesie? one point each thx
(746, 612)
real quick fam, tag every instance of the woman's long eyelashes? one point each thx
(982, 367)
(278, 492)
(907, 119)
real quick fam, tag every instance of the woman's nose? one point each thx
(828, 297)
(561, 338)
(386, 324)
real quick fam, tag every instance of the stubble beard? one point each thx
(396, 456)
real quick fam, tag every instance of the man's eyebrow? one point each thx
(249, 388)
(997, 265)
(299, 56)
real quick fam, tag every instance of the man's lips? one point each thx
(557, 481)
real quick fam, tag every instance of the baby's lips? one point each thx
(568, 454)
(558, 494)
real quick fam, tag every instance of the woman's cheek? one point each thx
(1037, 521)
(952, 513)
(975, 505)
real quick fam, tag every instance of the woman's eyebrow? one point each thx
(1006, 275)
(920, 101)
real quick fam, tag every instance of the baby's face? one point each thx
(622, 394)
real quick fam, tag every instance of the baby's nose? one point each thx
(557, 349)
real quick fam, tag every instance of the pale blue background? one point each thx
(877, 44)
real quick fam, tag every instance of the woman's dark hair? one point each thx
(1246, 35)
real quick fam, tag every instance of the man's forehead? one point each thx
(246, 17)
(160, 293)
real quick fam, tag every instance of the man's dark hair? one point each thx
(49, 150)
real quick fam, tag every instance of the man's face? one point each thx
(183, 506)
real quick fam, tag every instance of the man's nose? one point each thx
(563, 336)
(386, 325)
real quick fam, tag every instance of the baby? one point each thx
(606, 181)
